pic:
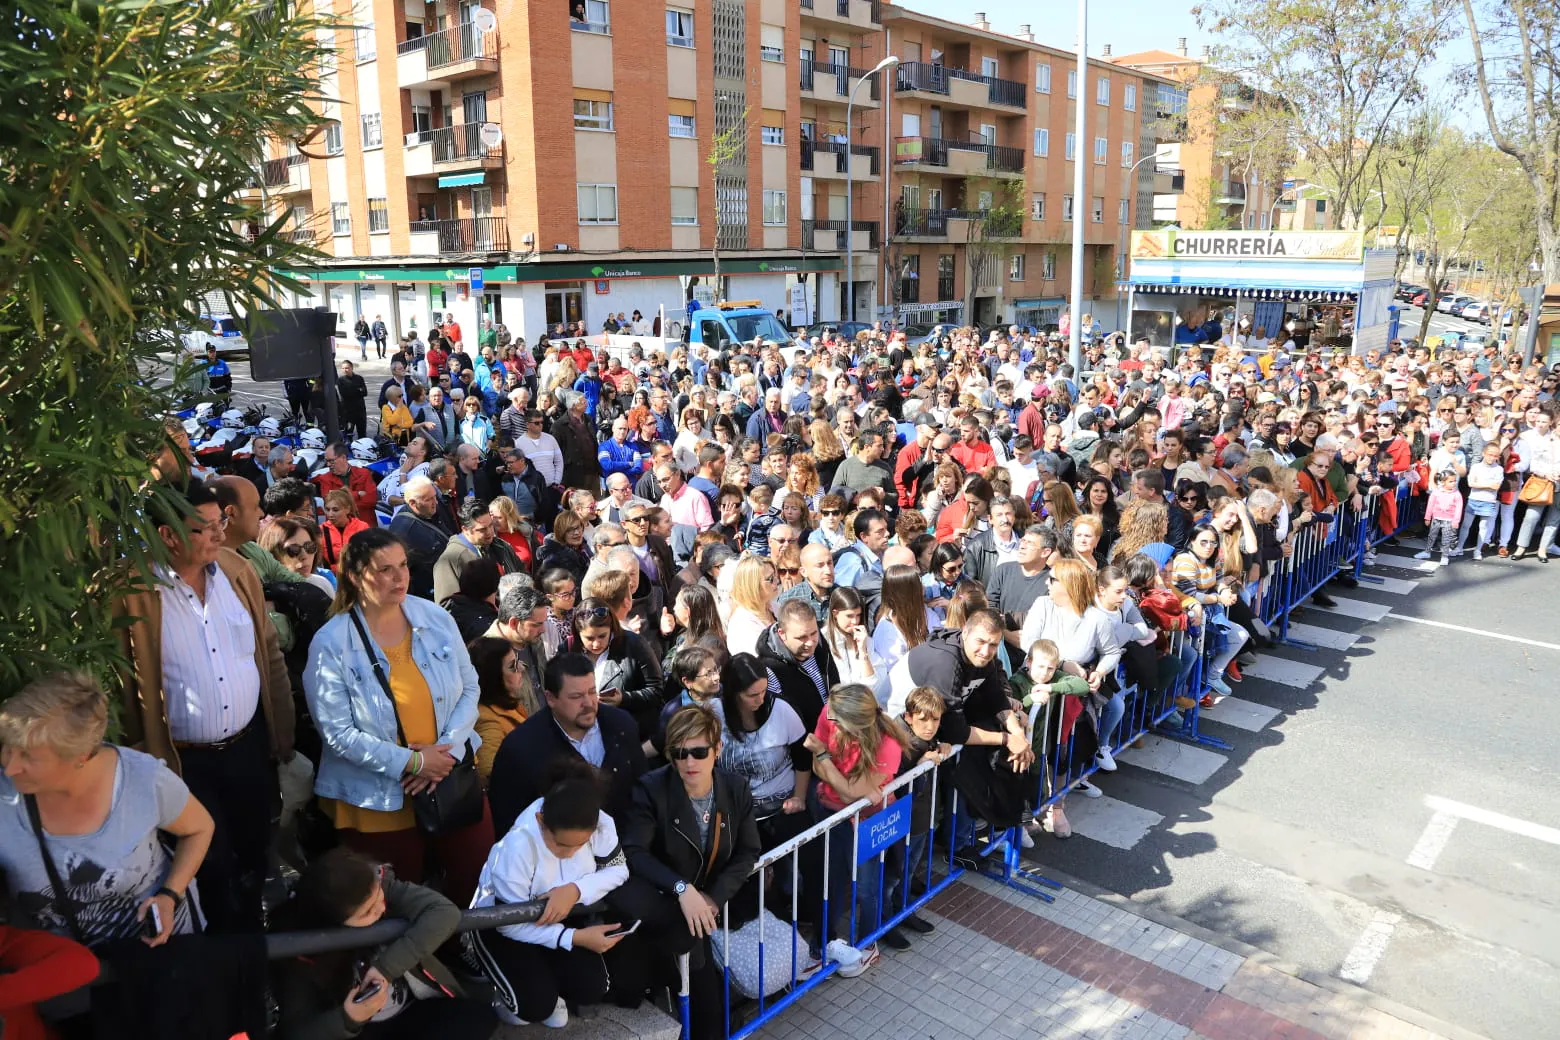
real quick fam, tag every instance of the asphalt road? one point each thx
(1440, 324)
(1394, 822)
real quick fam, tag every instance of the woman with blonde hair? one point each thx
(512, 529)
(1143, 523)
(1088, 533)
(395, 418)
(754, 586)
(828, 452)
(341, 526)
(1061, 509)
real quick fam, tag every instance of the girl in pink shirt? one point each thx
(1443, 513)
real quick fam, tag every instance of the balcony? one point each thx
(960, 88)
(955, 226)
(1231, 193)
(1169, 182)
(460, 147)
(828, 236)
(417, 156)
(832, 84)
(826, 160)
(939, 155)
(865, 15)
(286, 176)
(434, 61)
(459, 235)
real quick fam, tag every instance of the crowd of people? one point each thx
(614, 627)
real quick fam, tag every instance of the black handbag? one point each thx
(455, 801)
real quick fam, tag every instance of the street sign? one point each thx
(474, 276)
(884, 828)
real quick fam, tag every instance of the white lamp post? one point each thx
(1081, 139)
(850, 208)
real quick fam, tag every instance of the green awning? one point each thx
(457, 180)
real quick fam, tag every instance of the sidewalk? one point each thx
(1003, 964)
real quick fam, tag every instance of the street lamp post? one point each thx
(1081, 139)
(850, 208)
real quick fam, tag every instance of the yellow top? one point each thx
(395, 421)
(493, 725)
(414, 704)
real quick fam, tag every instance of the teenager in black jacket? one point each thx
(628, 673)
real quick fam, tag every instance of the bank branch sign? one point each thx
(1171, 244)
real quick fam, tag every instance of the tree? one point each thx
(122, 207)
(996, 219)
(1415, 169)
(1445, 227)
(1516, 67)
(728, 151)
(1343, 69)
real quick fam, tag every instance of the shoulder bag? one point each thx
(1537, 491)
(62, 899)
(455, 801)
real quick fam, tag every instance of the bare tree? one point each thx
(727, 150)
(994, 227)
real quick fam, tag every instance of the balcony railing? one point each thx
(821, 75)
(920, 75)
(869, 226)
(934, 222)
(460, 43)
(467, 234)
(1232, 191)
(933, 151)
(461, 142)
(811, 150)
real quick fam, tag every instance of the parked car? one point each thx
(225, 333)
(1406, 293)
(1476, 311)
(1453, 304)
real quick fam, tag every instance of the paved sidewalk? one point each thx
(1003, 964)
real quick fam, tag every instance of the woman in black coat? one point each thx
(628, 676)
(565, 548)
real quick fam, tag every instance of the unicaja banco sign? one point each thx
(1253, 245)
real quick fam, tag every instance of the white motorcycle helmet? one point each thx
(233, 419)
(365, 449)
(313, 437)
(219, 439)
(203, 411)
(270, 427)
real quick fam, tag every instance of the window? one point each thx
(1037, 206)
(1016, 267)
(1042, 141)
(680, 126)
(983, 201)
(1101, 147)
(679, 28)
(1102, 91)
(378, 216)
(333, 145)
(771, 134)
(1048, 267)
(910, 279)
(944, 276)
(774, 208)
(1072, 146)
(1126, 155)
(598, 16)
(1072, 82)
(1097, 210)
(592, 115)
(771, 43)
(365, 42)
(771, 54)
(597, 203)
(1123, 212)
(372, 137)
(422, 120)
(685, 206)
(1042, 77)
(1129, 97)
(340, 218)
(1321, 205)
(1067, 207)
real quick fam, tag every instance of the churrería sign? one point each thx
(1248, 245)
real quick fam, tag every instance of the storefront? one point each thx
(1315, 287)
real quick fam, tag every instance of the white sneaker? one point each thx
(1025, 838)
(1446, 561)
(1478, 554)
(844, 954)
(1104, 761)
(560, 1016)
(1423, 554)
(1087, 789)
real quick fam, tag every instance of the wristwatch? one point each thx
(680, 887)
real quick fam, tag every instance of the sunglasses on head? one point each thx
(681, 754)
(593, 614)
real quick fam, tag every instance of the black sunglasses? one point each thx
(297, 549)
(680, 754)
(830, 512)
(593, 614)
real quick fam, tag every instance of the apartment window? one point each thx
(679, 28)
(1097, 210)
(1321, 205)
(1129, 97)
(1102, 91)
(340, 218)
(774, 208)
(685, 206)
(333, 145)
(944, 276)
(365, 42)
(1016, 267)
(372, 136)
(680, 126)
(1123, 212)
(592, 115)
(1037, 206)
(597, 203)
(1048, 266)
(1126, 154)
(1072, 82)
(422, 120)
(1067, 207)
(1072, 146)
(771, 43)
(1042, 141)
(1101, 147)
(378, 216)
(910, 280)
(598, 16)
(1042, 77)
(771, 134)
(771, 54)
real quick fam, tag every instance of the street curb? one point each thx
(1260, 957)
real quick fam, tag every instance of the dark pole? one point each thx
(328, 373)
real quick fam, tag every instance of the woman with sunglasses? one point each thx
(294, 542)
(627, 674)
(941, 578)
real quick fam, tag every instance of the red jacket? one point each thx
(362, 486)
(333, 540)
(909, 456)
(35, 966)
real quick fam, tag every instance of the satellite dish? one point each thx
(492, 134)
(484, 20)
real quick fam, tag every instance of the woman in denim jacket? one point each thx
(366, 771)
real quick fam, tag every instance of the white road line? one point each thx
(1500, 821)
(1405, 562)
(1362, 959)
(1185, 762)
(1246, 715)
(1111, 821)
(1396, 586)
(1436, 834)
(1316, 635)
(1474, 631)
(1287, 673)
(1356, 608)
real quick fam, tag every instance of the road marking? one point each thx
(1316, 635)
(1287, 673)
(1396, 586)
(1436, 834)
(1355, 608)
(1185, 762)
(1361, 960)
(1475, 631)
(1246, 715)
(1111, 821)
(1500, 821)
(1405, 562)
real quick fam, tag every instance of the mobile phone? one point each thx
(366, 992)
(630, 930)
(152, 925)
(611, 693)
